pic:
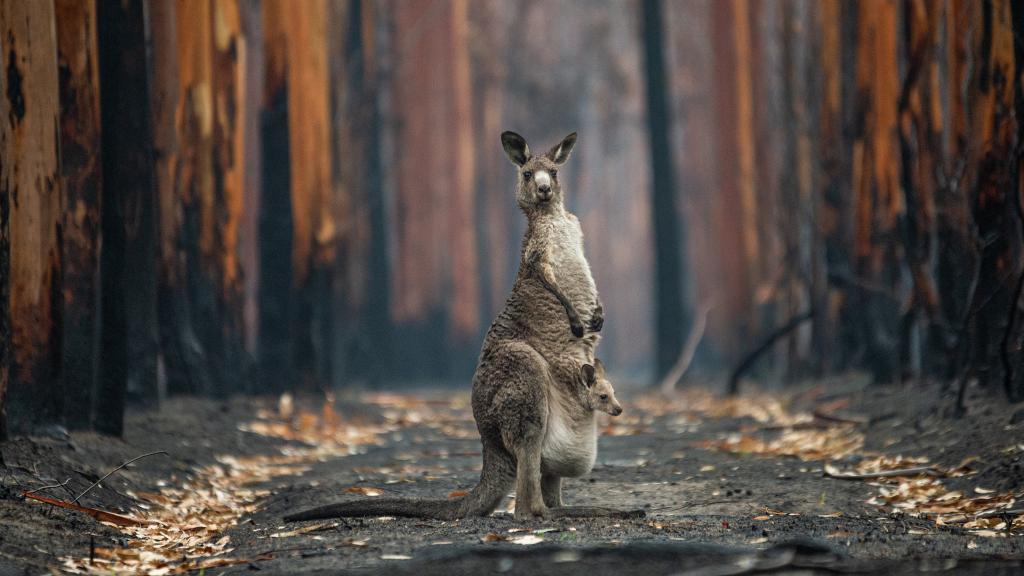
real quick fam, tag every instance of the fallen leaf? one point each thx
(364, 490)
(526, 540)
(395, 557)
(492, 537)
(304, 530)
(458, 494)
(101, 515)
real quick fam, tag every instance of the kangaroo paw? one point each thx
(577, 327)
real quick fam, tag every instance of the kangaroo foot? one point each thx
(538, 511)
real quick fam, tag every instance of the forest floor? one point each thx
(730, 486)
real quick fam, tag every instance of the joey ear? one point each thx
(560, 153)
(599, 366)
(515, 147)
(588, 375)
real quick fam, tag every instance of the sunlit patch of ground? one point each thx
(750, 470)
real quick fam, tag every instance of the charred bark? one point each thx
(129, 339)
(670, 293)
(276, 233)
(81, 173)
(31, 210)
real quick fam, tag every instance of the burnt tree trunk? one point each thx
(275, 242)
(922, 329)
(315, 230)
(31, 214)
(129, 340)
(878, 204)
(81, 167)
(994, 198)
(670, 293)
(226, 337)
(182, 353)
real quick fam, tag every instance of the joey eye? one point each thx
(604, 396)
(554, 173)
(527, 175)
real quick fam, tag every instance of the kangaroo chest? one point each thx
(568, 261)
(569, 448)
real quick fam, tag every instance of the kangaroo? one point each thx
(535, 420)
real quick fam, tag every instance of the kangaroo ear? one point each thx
(515, 147)
(560, 153)
(599, 366)
(588, 375)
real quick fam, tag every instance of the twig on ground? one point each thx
(101, 515)
(693, 505)
(107, 475)
(668, 383)
(883, 473)
(61, 485)
(812, 425)
(858, 420)
(771, 339)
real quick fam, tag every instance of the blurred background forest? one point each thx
(254, 196)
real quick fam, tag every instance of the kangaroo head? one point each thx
(601, 395)
(537, 186)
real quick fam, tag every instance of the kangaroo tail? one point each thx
(496, 479)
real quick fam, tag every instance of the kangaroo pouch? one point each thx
(570, 446)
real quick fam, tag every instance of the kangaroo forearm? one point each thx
(552, 287)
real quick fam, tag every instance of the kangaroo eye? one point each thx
(553, 173)
(604, 396)
(527, 175)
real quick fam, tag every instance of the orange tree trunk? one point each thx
(81, 168)
(31, 211)
(223, 223)
(314, 228)
(182, 354)
(733, 207)
(877, 202)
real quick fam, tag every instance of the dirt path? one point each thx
(712, 474)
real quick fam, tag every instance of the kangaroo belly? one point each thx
(569, 448)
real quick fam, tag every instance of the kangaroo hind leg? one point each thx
(551, 489)
(520, 410)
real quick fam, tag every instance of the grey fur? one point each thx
(533, 399)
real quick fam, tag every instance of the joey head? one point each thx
(601, 393)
